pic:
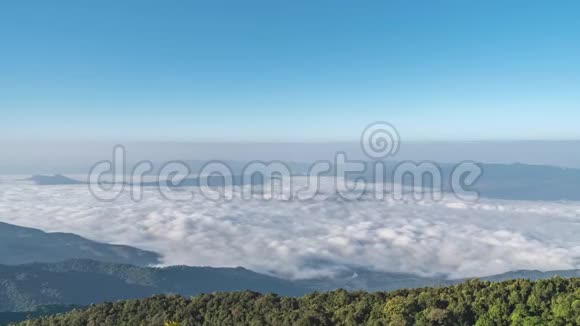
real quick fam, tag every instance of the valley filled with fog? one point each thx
(314, 237)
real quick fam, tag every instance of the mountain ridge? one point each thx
(83, 282)
(21, 245)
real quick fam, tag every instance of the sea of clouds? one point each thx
(285, 237)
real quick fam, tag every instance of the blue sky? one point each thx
(289, 70)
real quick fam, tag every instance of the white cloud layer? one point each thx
(449, 237)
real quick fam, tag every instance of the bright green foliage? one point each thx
(171, 323)
(553, 302)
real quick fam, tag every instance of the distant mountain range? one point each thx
(498, 181)
(506, 181)
(212, 181)
(20, 245)
(53, 180)
(526, 182)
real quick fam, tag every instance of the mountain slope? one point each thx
(20, 245)
(82, 282)
(532, 275)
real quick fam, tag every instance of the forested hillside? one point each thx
(517, 302)
(83, 282)
(21, 245)
(7, 318)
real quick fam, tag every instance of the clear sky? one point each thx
(278, 70)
